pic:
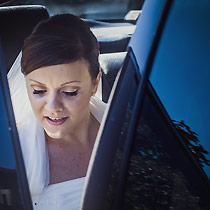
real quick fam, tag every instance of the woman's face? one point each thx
(60, 96)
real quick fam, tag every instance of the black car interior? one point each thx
(18, 22)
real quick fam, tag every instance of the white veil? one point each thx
(31, 133)
(16, 79)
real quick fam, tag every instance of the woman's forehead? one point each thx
(62, 74)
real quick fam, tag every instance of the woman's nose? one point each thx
(53, 103)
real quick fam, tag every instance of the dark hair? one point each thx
(61, 39)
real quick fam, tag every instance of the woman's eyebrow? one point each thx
(74, 81)
(66, 83)
(37, 82)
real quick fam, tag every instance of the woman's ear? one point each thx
(96, 83)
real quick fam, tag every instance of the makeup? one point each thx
(56, 121)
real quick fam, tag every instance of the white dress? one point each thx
(61, 196)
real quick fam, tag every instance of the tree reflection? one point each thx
(160, 176)
(152, 182)
(191, 140)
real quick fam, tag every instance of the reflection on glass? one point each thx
(111, 193)
(191, 139)
(160, 175)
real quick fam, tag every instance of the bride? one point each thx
(56, 110)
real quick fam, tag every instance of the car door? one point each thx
(159, 158)
(14, 191)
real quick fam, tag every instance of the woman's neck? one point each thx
(84, 134)
(69, 159)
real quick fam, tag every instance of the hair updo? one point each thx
(61, 39)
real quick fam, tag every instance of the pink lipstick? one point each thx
(56, 121)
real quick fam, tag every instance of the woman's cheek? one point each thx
(73, 103)
(37, 105)
(78, 104)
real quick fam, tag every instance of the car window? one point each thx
(180, 74)
(14, 192)
(8, 174)
(161, 174)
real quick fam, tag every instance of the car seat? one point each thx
(16, 23)
(110, 64)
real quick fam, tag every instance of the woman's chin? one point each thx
(54, 135)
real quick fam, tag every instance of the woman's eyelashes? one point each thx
(73, 93)
(66, 93)
(39, 92)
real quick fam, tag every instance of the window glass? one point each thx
(6, 145)
(160, 175)
(180, 73)
(9, 186)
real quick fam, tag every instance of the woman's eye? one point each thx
(74, 93)
(39, 92)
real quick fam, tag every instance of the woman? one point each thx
(58, 128)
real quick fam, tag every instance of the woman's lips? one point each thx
(56, 121)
